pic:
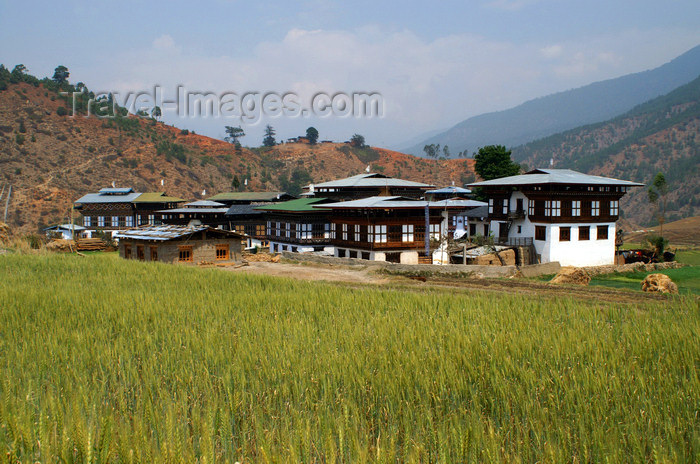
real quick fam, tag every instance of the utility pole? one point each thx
(7, 204)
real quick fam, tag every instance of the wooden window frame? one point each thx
(223, 252)
(541, 233)
(127, 251)
(604, 236)
(564, 234)
(154, 252)
(140, 253)
(584, 236)
(185, 249)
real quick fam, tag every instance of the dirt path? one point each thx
(358, 276)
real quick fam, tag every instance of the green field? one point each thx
(687, 279)
(103, 360)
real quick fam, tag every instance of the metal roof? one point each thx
(554, 176)
(115, 191)
(164, 233)
(370, 180)
(478, 212)
(195, 210)
(449, 190)
(243, 210)
(250, 196)
(157, 197)
(65, 227)
(298, 205)
(204, 204)
(107, 198)
(390, 202)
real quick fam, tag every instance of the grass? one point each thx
(103, 360)
(687, 279)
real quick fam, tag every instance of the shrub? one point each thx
(19, 138)
(61, 111)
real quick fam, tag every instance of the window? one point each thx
(129, 221)
(269, 228)
(602, 232)
(278, 231)
(306, 231)
(531, 208)
(151, 218)
(576, 208)
(505, 206)
(344, 228)
(407, 233)
(297, 229)
(154, 253)
(380, 234)
(357, 232)
(127, 251)
(435, 232)
(614, 207)
(100, 221)
(222, 251)
(540, 233)
(287, 230)
(520, 229)
(547, 208)
(556, 208)
(185, 255)
(595, 208)
(565, 234)
(115, 221)
(86, 221)
(472, 230)
(490, 205)
(326, 230)
(584, 233)
(333, 230)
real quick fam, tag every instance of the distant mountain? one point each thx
(566, 110)
(661, 135)
(50, 159)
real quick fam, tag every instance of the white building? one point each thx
(568, 216)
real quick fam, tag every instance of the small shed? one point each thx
(65, 231)
(180, 244)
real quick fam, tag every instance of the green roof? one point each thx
(247, 196)
(156, 197)
(298, 205)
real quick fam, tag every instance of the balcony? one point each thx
(517, 214)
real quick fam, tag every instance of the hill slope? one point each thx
(662, 135)
(566, 110)
(51, 160)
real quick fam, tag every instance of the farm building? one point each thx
(180, 244)
(568, 216)
(65, 231)
(297, 225)
(367, 185)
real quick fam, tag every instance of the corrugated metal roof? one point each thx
(164, 233)
(389, 202)
(65, 227)
(370, 180)
(204, 204)
(243, 209)
(195, 210)
(156, 197)
(107, 198)
(478, 212)
(555, 176)
(449, 190)
(249, 196)
(298, 205)
(115, 191)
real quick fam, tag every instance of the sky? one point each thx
(434, 64)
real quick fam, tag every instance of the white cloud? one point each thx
(425, 84)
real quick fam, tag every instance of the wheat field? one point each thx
(108, 361)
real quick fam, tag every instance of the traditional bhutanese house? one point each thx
(248, 220)
(180, 244)
(251, 198)
(473, 222)
(446, 193)
(568, 216)
(148, 207)
(109, 210)
(204, 212)
(390, 228)
(367, 185)
(65, 231)
(298, 225)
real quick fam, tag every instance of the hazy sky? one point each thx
(434, 63)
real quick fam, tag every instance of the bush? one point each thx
(19, 138)
(659, 244)
(61, 111)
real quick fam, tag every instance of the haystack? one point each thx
(61, 246)
(4, 233)
(572, 275)
(659, 283)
